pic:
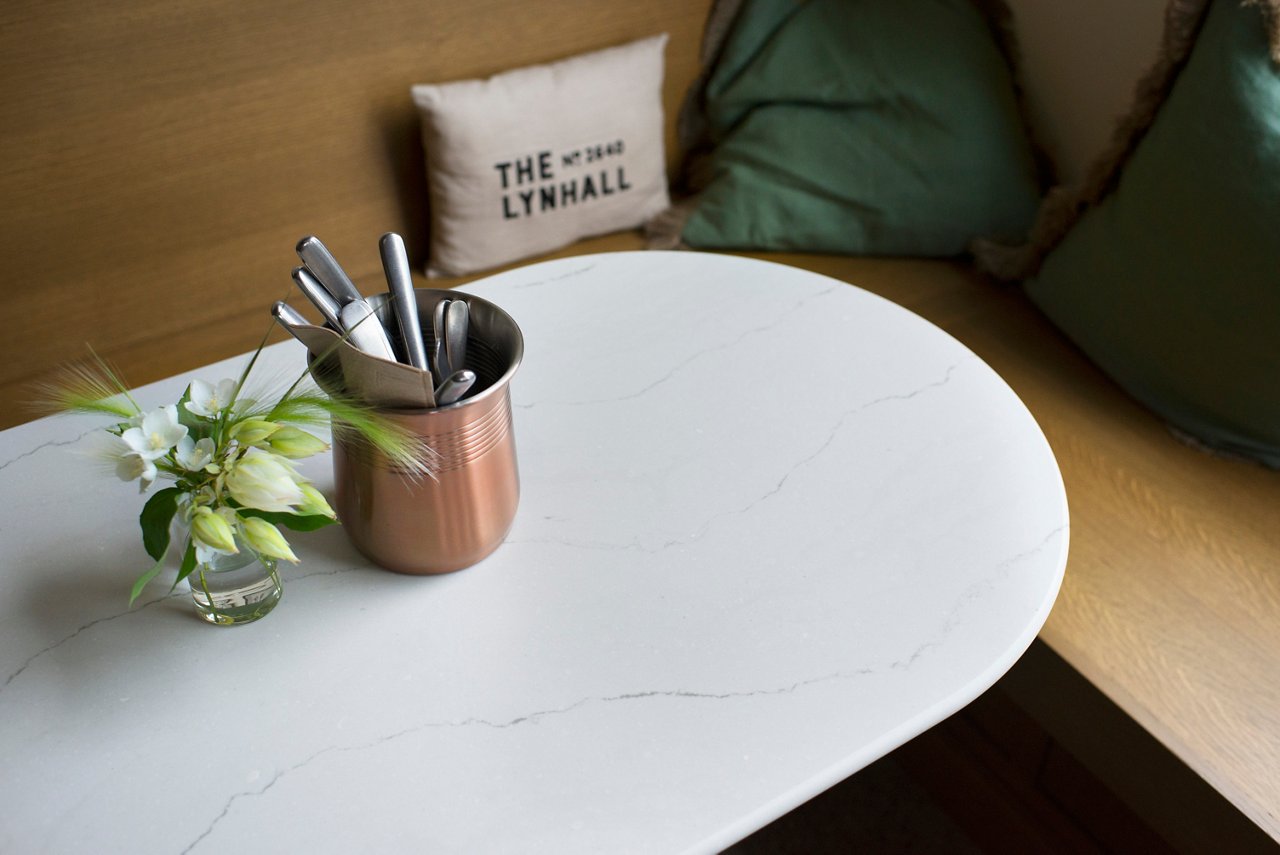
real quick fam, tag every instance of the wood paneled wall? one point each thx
(159, 160)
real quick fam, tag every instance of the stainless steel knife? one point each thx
(321, 262)
(365, 331)
(395, 263)
(318, 295)
(287, 315)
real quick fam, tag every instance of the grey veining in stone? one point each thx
(771, 527)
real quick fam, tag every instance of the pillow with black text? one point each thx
(533, 159)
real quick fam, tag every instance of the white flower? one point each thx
(208, 401)
(158, 433)
(194, 456)
(131, 465)
(264, 481)
(128, 464)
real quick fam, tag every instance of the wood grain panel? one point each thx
(159, 160)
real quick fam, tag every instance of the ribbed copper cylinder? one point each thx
(451, 521)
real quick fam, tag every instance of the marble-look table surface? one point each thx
(771, 527)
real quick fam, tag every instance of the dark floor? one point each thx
(986, 780)
(994, 779)
(881, 809)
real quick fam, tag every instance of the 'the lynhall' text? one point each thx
(535, 187)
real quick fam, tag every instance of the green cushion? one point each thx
(863, 127)
(1172, 282)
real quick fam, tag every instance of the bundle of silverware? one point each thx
(357, 322)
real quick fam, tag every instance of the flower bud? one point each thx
(314, 503)
(297, 444)
(252, 431)
(211, 530)
(264, 481)
(266, 539)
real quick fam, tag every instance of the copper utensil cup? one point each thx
(440, 525)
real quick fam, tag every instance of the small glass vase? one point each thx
(230, 590)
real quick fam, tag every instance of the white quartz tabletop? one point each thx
(771, 527)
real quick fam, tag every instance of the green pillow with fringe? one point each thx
(865, 128)
(1171, 280)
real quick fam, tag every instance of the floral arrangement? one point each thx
(231, 457)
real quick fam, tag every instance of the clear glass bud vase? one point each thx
(229, 590)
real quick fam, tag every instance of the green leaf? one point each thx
(188, 563)
(297, 522)
(157, 515)
(144, 579)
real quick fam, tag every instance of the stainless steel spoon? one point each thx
(456, 320)
(458, 384)
(440, 357)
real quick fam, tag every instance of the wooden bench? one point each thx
(159, 163)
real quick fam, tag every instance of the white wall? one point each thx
(1081, 59)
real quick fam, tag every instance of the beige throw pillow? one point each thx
(533, 159)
